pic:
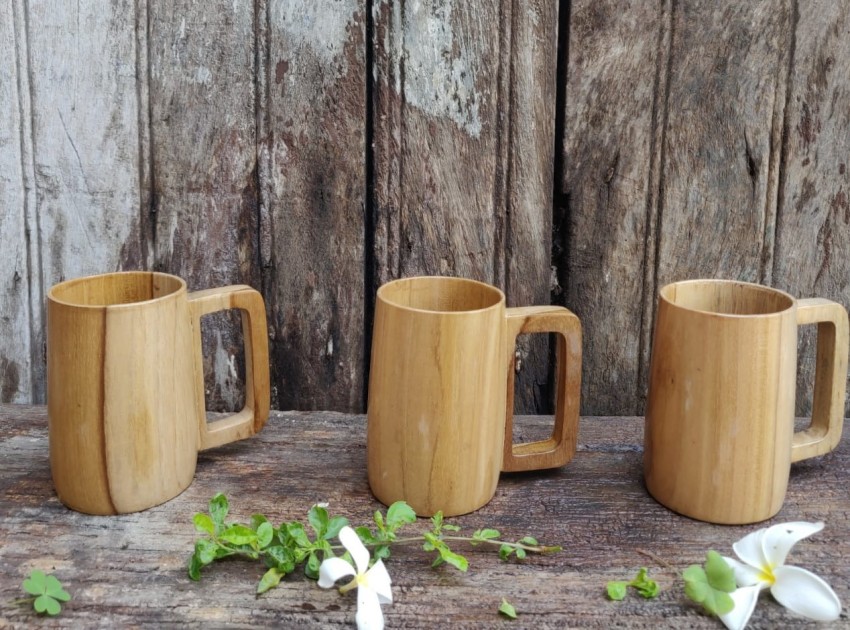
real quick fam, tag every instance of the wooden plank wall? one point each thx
(582, 153)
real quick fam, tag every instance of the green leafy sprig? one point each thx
(645, 587)
(47, 593)
(291, 544)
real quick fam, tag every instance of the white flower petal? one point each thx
(745, 602)
(380, 582)
(333, 569)
(369, 615)
(749, 549)
(351, 541)
(779, 539)
(805, 593)
(745, 575)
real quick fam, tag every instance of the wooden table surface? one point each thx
(130, 571)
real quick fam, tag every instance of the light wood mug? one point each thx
(720, 437)
(125, 390)
(440, 404)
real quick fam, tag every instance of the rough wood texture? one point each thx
(131, 570)
(314, 208)
(315, 151)
(813, 222)
(204, 156)
(614, 107)
(462, 184)
(16, 367)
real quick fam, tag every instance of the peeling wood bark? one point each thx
(204, 151)
(613, 105)
(451, 92)
(813, 235)
(15, 158)
(82, 77)
(315, 282)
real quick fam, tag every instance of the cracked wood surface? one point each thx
(130, 571)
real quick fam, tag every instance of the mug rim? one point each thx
(751, 286)
(443, 279)
(84, 279)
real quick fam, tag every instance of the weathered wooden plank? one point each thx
(531, 60)
(723, 110)
(813, 228)
(315, 138)
(15, 158)
(614, 101)
(204, 160)
(450, 101)
(85, 142)
(130, 570)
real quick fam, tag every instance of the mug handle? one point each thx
(254, 414)
(560, 448)
(824, 432)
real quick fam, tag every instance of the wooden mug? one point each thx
(125, 390)
(720, 434)
(440, 410)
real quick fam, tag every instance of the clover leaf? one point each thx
(710, 585)
(47, 593)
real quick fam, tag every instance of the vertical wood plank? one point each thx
(728, 77)
(615, 85)
(316, 121)
(454, 124)
(15, 349)
(82, 64)
(532, 62)
(813, 230)
(204, 160)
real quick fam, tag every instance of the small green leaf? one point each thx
(720, 575)
(219, 508)
(529, 540)
(265, 534)
(616, 590)
(451, 528)
(239, 535)
(365, 534)
(318, 519)
(486, 534)
(399, 514)
(204, 524)
(379, 521)
(698, 586)
(437, 521)
(34, 584)
(297, 533)
(205, 551)
(645, 587)
(270, 579)
(311, 569)
(335, 524)
(505, 552)
(195, 565)
(452, 558)
(46, 604)
(507, 609)
(257, 520)
(520, 553)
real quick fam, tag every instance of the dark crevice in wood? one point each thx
(560, 198)
(147, 222)
(369, 255)
(153, 193)
(505, 146)
(262, 53)
(402, 231)
(784, 138)
(654, 200)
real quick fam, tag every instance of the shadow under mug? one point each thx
(720, 437)
(440, 409)
(125, 386)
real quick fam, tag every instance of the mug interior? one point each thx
(726, 297)
(112, 289)
(440, 294)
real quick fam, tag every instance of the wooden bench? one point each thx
(130, 571)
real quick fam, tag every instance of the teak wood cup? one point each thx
(440, 410)
(720, 437)
(125, 391)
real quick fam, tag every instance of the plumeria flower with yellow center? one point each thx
(762, 565)
(373, 585)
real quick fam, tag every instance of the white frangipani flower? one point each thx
(762, 554)
(374, 586)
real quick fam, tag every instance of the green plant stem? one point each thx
(468, 539)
